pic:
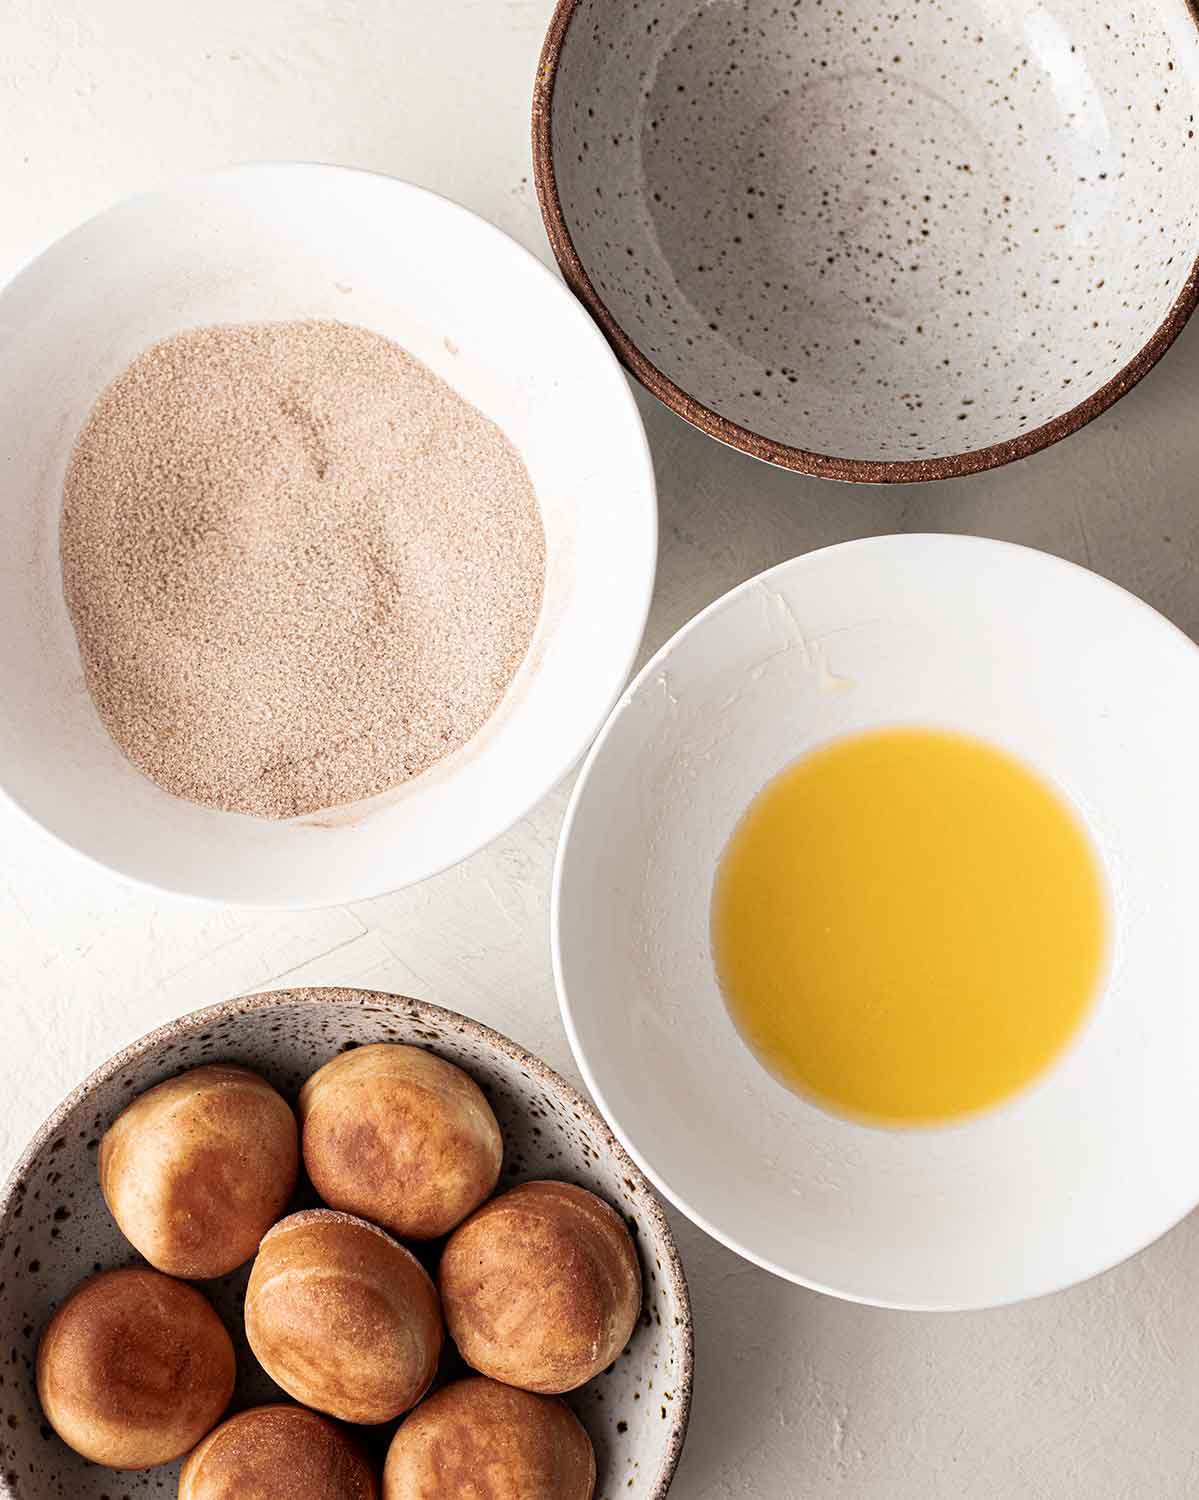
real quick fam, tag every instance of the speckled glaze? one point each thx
(54, 1228)
(877, 246)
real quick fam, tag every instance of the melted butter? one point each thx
(909, 926)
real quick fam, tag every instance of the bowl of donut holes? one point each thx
(336, 1245)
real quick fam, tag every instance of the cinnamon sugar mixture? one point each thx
(300, 567)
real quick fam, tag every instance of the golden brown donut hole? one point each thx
(270, 1452)
(197, 1169)
(342, 1317)
(134, 1368)
(399, 1137)
(541, 1287)
(487, 1441)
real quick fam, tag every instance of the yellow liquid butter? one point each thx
(908, 926)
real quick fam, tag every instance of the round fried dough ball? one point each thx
(134, 1368)
(400, 1137)
(479, 1440)
(197, 1169)
(342, 1317)
(273, 1451)
(541, 1287)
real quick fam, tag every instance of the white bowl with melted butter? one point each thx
(1058, 1172)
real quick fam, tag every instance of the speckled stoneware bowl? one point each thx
(877, 245)
(55, 1228)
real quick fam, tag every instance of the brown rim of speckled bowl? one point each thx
(410, 1009)
(822, 465)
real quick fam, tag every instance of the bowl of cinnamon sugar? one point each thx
(328, 535)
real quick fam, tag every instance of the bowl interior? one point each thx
(1063, 669)
(884, 236)
(296, 241)
(55, 1228)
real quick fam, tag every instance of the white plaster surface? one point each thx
(1091, 1394)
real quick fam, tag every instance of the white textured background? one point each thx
(1091, 1394)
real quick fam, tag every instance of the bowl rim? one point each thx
(652, 669)
(425, 1010)
(371, 886)
(770, 450)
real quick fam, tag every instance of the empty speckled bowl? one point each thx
(55, 1229)
(877, 245)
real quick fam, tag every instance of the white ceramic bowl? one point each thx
(55, 1228)
(292, 241)
(877, 243)
(1064, 669)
